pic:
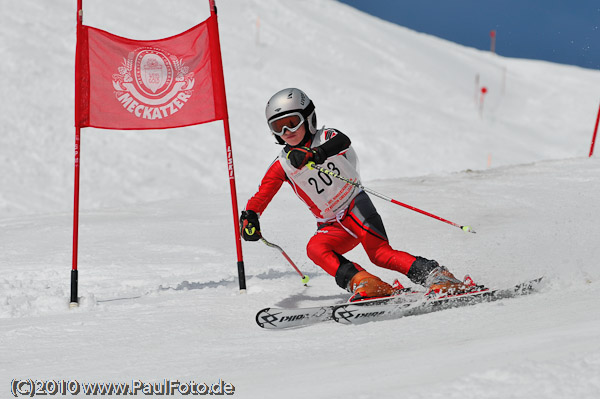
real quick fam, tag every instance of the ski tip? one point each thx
(259, 319)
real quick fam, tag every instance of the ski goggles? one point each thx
(290, 122)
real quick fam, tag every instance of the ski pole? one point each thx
(270, 244)
(312, 165)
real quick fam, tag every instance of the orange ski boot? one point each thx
(364, 285)
(441, 281)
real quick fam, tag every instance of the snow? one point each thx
(158, 277)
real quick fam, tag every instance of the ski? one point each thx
(364, 312)
(279, 318)
(276, 318)
(407, 302)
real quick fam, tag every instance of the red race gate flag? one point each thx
(150, 84)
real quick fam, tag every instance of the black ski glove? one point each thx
(300, 156)
(250, 228)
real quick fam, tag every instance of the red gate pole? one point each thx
(234, 207)
(216, 50)
(594, 136)
(74, 273)
(74, 278)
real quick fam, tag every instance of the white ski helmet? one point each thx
(287, 110)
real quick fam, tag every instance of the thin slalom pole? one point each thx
(74, 302)
(219, 88)
(594, 136)
(312, 165)
(270, 244)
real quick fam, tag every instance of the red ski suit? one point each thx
(345, 214)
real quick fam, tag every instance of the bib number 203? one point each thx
(324, 179)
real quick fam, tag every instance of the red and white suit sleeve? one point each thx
(269, 186)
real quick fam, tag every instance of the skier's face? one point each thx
(294, 138)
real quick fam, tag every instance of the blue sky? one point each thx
(563, 31)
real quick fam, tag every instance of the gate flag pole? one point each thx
(594, 136)
(219, 86)
(74, 277)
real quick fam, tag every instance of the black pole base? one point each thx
(241, 275)
(74, 299)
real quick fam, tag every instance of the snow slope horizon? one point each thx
(405, 99)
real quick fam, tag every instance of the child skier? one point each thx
(345, 214)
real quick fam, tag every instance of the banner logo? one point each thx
(153, 84)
